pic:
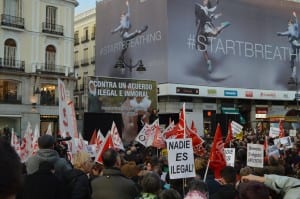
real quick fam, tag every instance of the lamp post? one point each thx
(121, 64)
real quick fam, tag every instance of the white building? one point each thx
(37, 49)
(84, 57)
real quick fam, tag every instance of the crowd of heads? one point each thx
(147, 168)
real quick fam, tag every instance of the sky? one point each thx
(85, 5)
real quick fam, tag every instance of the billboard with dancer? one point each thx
(215, 43)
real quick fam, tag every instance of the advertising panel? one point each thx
(134, 99)
(229, 43)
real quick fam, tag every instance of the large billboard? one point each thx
(217, 43)
(133, 99)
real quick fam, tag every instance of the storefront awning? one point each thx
(230, 110)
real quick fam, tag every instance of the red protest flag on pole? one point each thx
(106, 145)
(229, 135)
(281, 129)
(217, 159)
(158, 140)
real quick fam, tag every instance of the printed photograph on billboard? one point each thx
(133, 99)
(220, 43)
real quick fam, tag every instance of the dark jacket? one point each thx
(226, 191)
(77, 184)
(43, 184)
(113, 185)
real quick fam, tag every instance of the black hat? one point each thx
(46, 141)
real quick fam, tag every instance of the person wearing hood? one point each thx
(46, 152)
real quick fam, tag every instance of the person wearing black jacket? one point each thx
(227, 189)
(43, 184)
(76, 180)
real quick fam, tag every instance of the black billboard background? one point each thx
(171, 57)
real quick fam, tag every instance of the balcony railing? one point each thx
(93, 60)
(53, 28)
(50, 68)
(12, 65)
(84, 62)
(93, 36)
(11, 99)
(84, 39)
(12, 21)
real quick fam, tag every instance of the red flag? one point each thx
(158, 140)
(178, 130)
(106, 145)
(93, 139)
(281, 129)
(196, 140)
(217, 156)
(229, 135)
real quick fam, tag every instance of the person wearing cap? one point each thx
(46, 152)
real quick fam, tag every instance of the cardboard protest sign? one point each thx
(255, 155)
(181, 158)
(230, 156)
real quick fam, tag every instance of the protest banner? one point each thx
(230, 156)
(284, 142)
(181, 158)
(255, 155)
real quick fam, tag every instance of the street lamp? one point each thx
(121, 64)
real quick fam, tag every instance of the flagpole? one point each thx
(183, 112)
(205, 175)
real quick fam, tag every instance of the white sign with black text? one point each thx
(255, 155)
(230, 156)
(181, 158)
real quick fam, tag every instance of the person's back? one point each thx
(10, 172)
(47, 153)
(76, 180)
(43, 184)
(113, 184)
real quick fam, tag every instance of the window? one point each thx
(85, 53)
(48, 95)
(76, 59)
(86, 33)
(13, 8)
(50, 17)
(9, 53)
(50, 58)
(94, 32)
(76, 38)
(10, 91)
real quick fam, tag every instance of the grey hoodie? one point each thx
(50, 155)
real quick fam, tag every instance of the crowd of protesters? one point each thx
(142, 173)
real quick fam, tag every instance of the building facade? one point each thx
(84, 59)
(37, 50)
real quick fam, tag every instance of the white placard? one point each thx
(274, 132)
(181, 158)
(293, 132)
(230, 156)
(255, 155)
